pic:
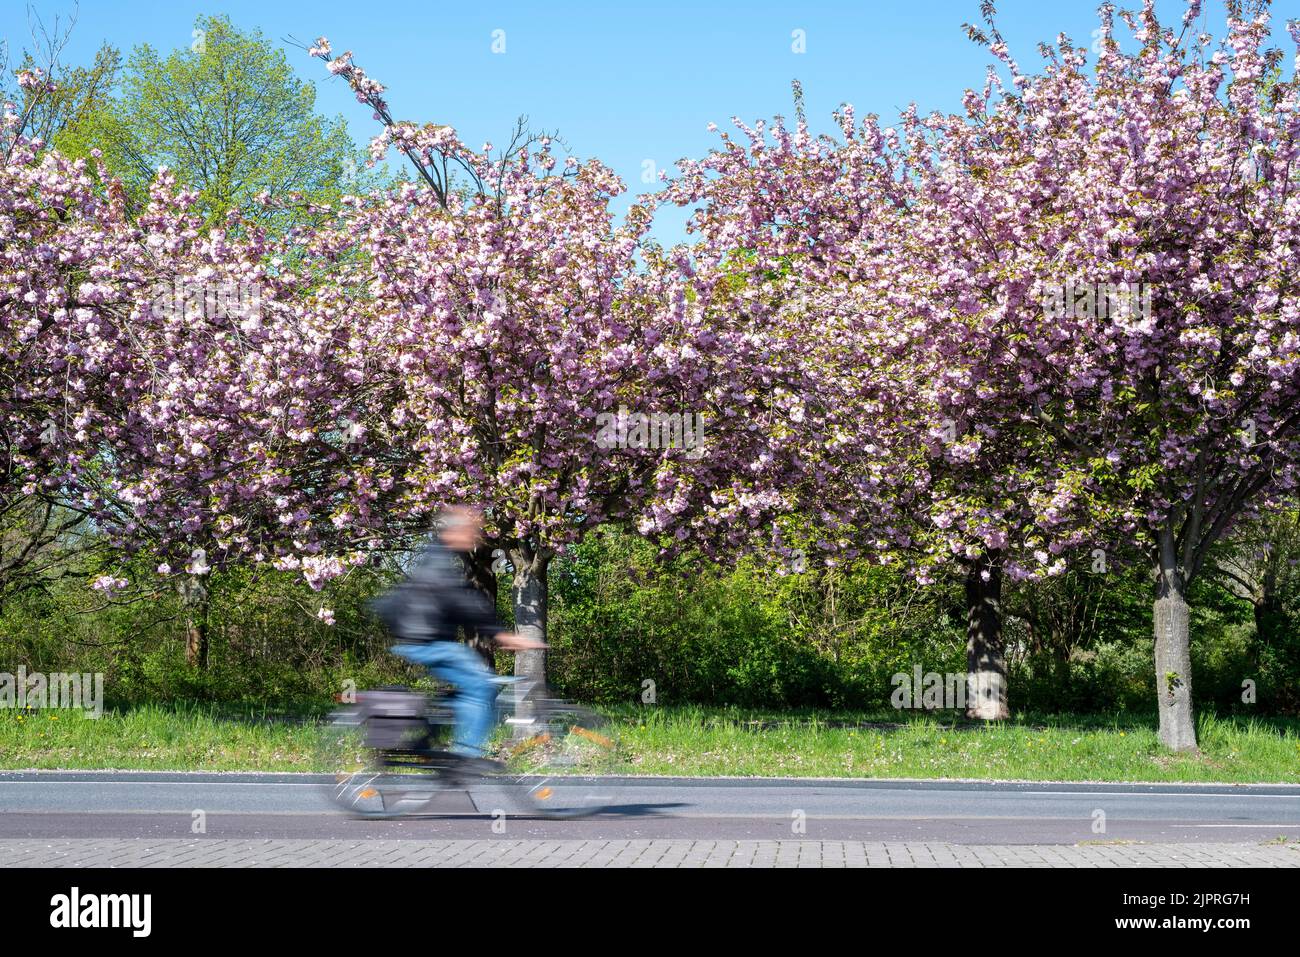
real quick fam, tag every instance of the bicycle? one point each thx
(387, 750)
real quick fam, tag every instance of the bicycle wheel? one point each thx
(562, 761)
(371, 783)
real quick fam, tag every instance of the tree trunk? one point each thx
(1171, 617)
(194, 596)
(528, 596)
(1173, 654)
(986, 665)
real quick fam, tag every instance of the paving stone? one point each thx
(214, 852)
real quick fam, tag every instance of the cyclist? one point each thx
(435, 600)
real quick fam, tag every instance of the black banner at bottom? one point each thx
(146, 907)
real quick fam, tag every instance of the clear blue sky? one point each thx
(627, 82)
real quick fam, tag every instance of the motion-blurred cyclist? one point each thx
(426, 610)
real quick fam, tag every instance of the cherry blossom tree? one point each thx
(164, 381)
(499, 312)
(1060, 319)
(1173, 168)
(55, 250)
(887, 292)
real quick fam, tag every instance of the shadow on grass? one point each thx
(253, 713)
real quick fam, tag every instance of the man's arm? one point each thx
(478, 614)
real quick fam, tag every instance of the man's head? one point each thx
(459, 528)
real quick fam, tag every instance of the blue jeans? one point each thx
(475, 698)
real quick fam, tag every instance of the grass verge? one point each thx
(700, 741)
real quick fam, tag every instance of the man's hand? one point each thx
(513, 641)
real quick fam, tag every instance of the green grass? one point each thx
(156, 738)
(709, 741)
(694, 741)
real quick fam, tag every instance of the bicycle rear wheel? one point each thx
(373, 783)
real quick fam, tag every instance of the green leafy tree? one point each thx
(76, 100)
(227, 115)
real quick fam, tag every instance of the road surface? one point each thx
(43, 811)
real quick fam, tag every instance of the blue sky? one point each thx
(627, 82)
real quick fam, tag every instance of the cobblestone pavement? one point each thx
(214, 852)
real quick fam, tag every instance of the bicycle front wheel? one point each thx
(565, 759)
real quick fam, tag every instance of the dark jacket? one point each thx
(435, 600)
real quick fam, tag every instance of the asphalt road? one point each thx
(37, 805)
